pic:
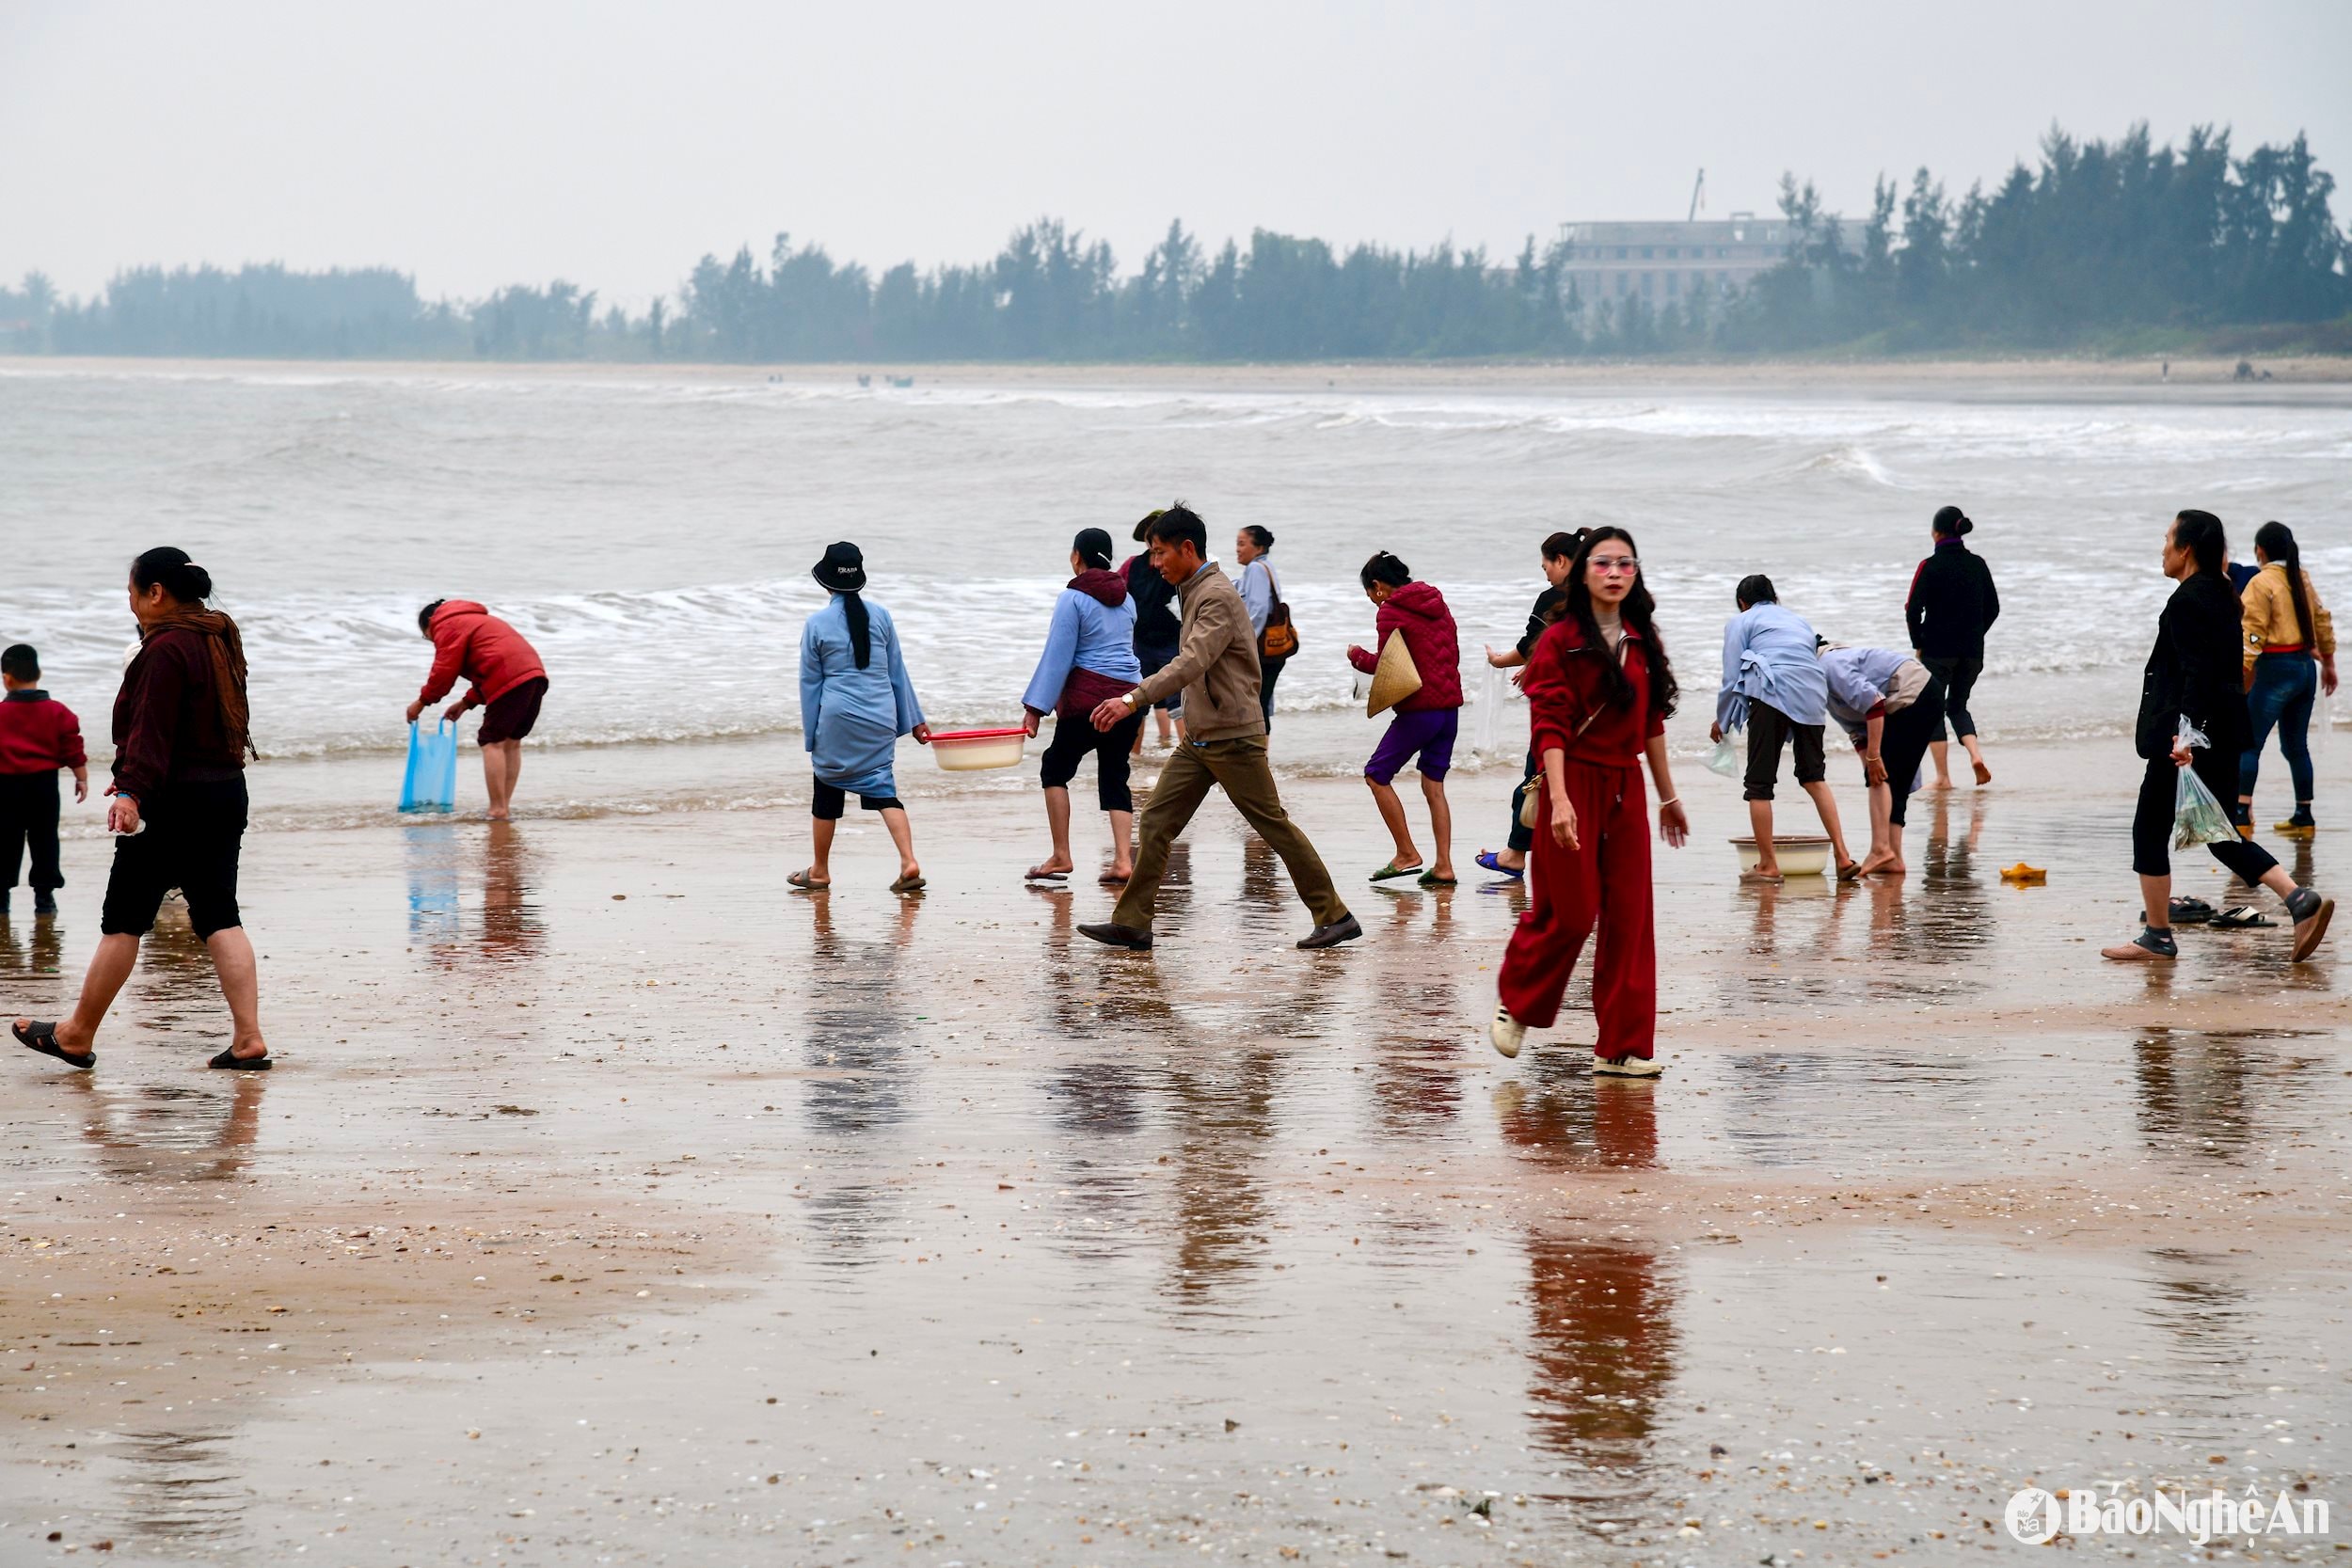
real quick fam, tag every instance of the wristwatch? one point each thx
(1130, 700)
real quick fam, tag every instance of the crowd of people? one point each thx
(2240, 653)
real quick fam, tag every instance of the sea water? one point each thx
(652, 533)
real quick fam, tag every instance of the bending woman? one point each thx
(180, 732)
(1600, 689)
(1090, 659)
(856, 700)
(2285, 626)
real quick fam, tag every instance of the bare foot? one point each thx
(1984, 774)
(1941, 784)
(1762, 874)
(1877, 863)
(1892, 869)
(497, 813)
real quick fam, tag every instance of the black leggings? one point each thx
(1269, 670)
(1073, 737)
(2151, 823)
(1522, 837)
(826, 802)
(1958, 676)
(1903, 742)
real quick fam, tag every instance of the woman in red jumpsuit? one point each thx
(1600, 689)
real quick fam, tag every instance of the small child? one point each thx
(36, 738)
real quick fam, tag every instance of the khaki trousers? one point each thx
(1239, 766)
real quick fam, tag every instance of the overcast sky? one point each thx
(476, 145)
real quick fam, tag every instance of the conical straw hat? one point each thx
(1395, 679)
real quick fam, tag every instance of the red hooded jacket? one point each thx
(39, 733)
(1418, 611)
(470, 642)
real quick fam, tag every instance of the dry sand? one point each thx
(611, 1204)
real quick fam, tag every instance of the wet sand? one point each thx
(612, 1204)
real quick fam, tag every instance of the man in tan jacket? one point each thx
(1216, 668)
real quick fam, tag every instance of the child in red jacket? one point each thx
(37, 736)
(1425, 722)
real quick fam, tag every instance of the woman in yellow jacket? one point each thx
(2290, 654)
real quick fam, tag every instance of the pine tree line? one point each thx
(2095, 242)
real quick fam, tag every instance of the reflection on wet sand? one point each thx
(1602, 1337)
(186, 1132)
(863, 1078)
(30, 950)
(180, 1486)
(1418, 1020)
(510, 928)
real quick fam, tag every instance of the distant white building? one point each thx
(1666, 263)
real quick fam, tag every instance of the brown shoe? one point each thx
(2312, 915)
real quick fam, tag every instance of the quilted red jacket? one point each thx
(1418, 611)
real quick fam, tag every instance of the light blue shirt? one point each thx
(1256, 584)
(851, 719)
(1085, 634)
(1859, 680)
(1769, 657)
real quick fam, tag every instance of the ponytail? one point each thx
(861, 628)
(2277, 541)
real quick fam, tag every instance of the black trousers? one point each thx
(192, 836)
(28, 817)
(1522, 837)
(826, 802)
(1073, 737)
(1903, 743)
(1269, 670)
(1958, 676)
(1769, 730)
(2151, 822)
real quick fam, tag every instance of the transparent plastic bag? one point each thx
(1724, 759)
(2196, 816)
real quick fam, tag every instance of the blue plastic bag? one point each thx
(431, 782)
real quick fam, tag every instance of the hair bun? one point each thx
(1968, 524)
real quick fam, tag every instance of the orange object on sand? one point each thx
(2026, 875)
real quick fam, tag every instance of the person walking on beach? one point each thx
(1951, 606)
(1558, 552)
(1601, 690)
(2289, 657)
(39, 735)
(1157, 630)
(1423, 725)
(1089, 657)
(1891, 706)
(182, 731)
(2193, 675)
(1774, 685)
(1216, 666)
(506, 680)
(1262, 595)
(856, 700)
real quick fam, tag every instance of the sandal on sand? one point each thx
(1850, 872)
(1487, 862)
(43, 1038)
(2190, 911)
(1116, 879)
(907, 885)
(799, 879)
(1039, 874)
(235, 1063)
(1430, 879)
(2239, 917)
(1391, 871)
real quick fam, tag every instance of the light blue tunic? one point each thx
(1770, 657)
(851, 719)
(1256, 585)
(1085, 634)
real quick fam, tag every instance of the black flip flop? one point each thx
(2190, 911)
(43, 1038)
(235, 1063)
(2239, 917)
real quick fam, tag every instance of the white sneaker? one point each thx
(1505, 1031)
(1624, 1067)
